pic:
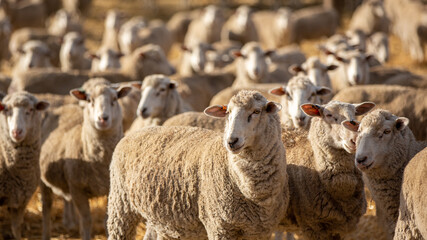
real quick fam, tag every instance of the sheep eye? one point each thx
(288, 96)
(387, 131)
(328, 115)
(162, 89)
(257, 111)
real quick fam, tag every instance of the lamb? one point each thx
(224, 190)
(64, 22)
(79, 170)
(73, 54)
(412, 219)
(370, 17)
(206, 28)
(113, 22)
(327, 194)
(385, 144)
(160, 100)
(128, 34)
(196, 119)
(378, 46)
(20, 123)
(298, 91)
(391, 98)
(240, 27)
(106, 59)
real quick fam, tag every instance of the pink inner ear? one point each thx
(216, 111)
(351, 125)
(311, 110)
(2, 107)
(278, 91)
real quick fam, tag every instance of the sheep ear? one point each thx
(94, 56)
(2, 107)
(312, 110)
(295, 69)
(273, 107)
(123, 91)
(363, 108)
(323, 91)
(401, 123)
(42, 105)
(185, 48)
(80, 94)
(216, 111)
(351, 125)
(236, 54)
(136, 84)
(331, 67)
(368, 57)
(278, 91)
(173, 84)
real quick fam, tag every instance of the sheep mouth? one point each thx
(363, 167)
(236, 149)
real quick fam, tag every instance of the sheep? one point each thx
(196, 119)
(76, 6)
(378, 46)
(298, 91)
(385, 144)
(27, 13)
(20, 121)
(411, 223)
(391, 98)
(64, 22)
(370, 17)
(194, 59)
(110, 37)
(396, 76)
(78, 170)
(275, 34)
(356, 38)
(34, 54)
(160, 100)
(221, 60)
(73, 53)
(128, 34)
(179, 22)
(206, 28)
(106, 59)
(200, 197)
(156, 33)
(5, 32)
(240, 27)
(326, 189)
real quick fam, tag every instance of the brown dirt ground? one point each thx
(366, 229)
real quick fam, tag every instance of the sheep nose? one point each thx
(361, 159)
(16, 132)
(144, 110)
(301, 119)
(356, 79)
(103, 118)
(256, 71)
(232, 141)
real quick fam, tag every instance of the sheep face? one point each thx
(283, 17)
(156, 95)
(197, 56)
(101, 107)
(212, 16)
(356, 67)
(378, 132)
(73, 46)
(247, 116)
(334, 115)
(34, 54)
(152, 60)
(299, 91)
(316, 71)
(105, 60)
(379, 46)
(20, 111)
(253, 60)
(62, 21)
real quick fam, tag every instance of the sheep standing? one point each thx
(206, 28)
(78, 169)
(73, 54)
(326, 189)
(20, 123)
(385, 145)
(228, 186)
(370, 17)
(412, 218)
(240, 27)
(378, 45)
(106, 59)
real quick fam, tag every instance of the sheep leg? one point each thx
(69, 218)
(17, 217)
(47, 200)
(83, 208)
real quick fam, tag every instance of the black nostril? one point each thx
(302, 118)
(361, 159)
(232, 142)
(143, 110)
(105, 118)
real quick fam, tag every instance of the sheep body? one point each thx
(196, 119)
(370, 17)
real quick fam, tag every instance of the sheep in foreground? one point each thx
(240, 27)
(78, 169)
(73, 54)
(370, 17)
(160, 100)
(298, 91)
(217, 186)
(196, 119)
(20, 123)
(385, 144)
(392, 99)
(412, 213)
(326, 190)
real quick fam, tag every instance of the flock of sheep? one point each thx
(248, 137)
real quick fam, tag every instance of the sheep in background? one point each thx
(73, 54)
(179, 22)
(160, 100)
(412, 219)
(128, 35)
(20, 123)
(78, 169)
(224, 189)
(196, 119)
(298, 91)
(274, 34)
(194, 59)
(370, 17)
(385, 144)
(206, 28)
(34, 54)
(63, 22)
(378, 45)
(5, 32)
(240, 27)
(76, 6)
(106, 59)
(356, 39)
(110, 37)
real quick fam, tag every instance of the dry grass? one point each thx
(366, 229)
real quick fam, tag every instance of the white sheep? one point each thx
(240, 27)
(274, 34)
(64, 22)
(220, 186)
(299, 90)
(78, 169)
(106, 59)
(385, 144)
(378, 45)
(370, 17)
(128, 34)
(74, 54)
(110, 37)
(20, 123)
(194, 59)
(196, 119)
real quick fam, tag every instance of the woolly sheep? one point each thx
(298, 91)
(113, 22)
(384, 147)
(34, 54)
(156, 33)
(275, 34)
(196, 119)
(106, 59)
(194, 59)
(178, 24)
(128, 34)
(221, 190)
(240, 27)
(78, 169)
(73, 54)
(326, 189)
(20, 122)
(378, 46)
(159, 101)
(402, 101)
(224, 96)
(412, 220)
(396, 76)
(370, 17)
(64, 22)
